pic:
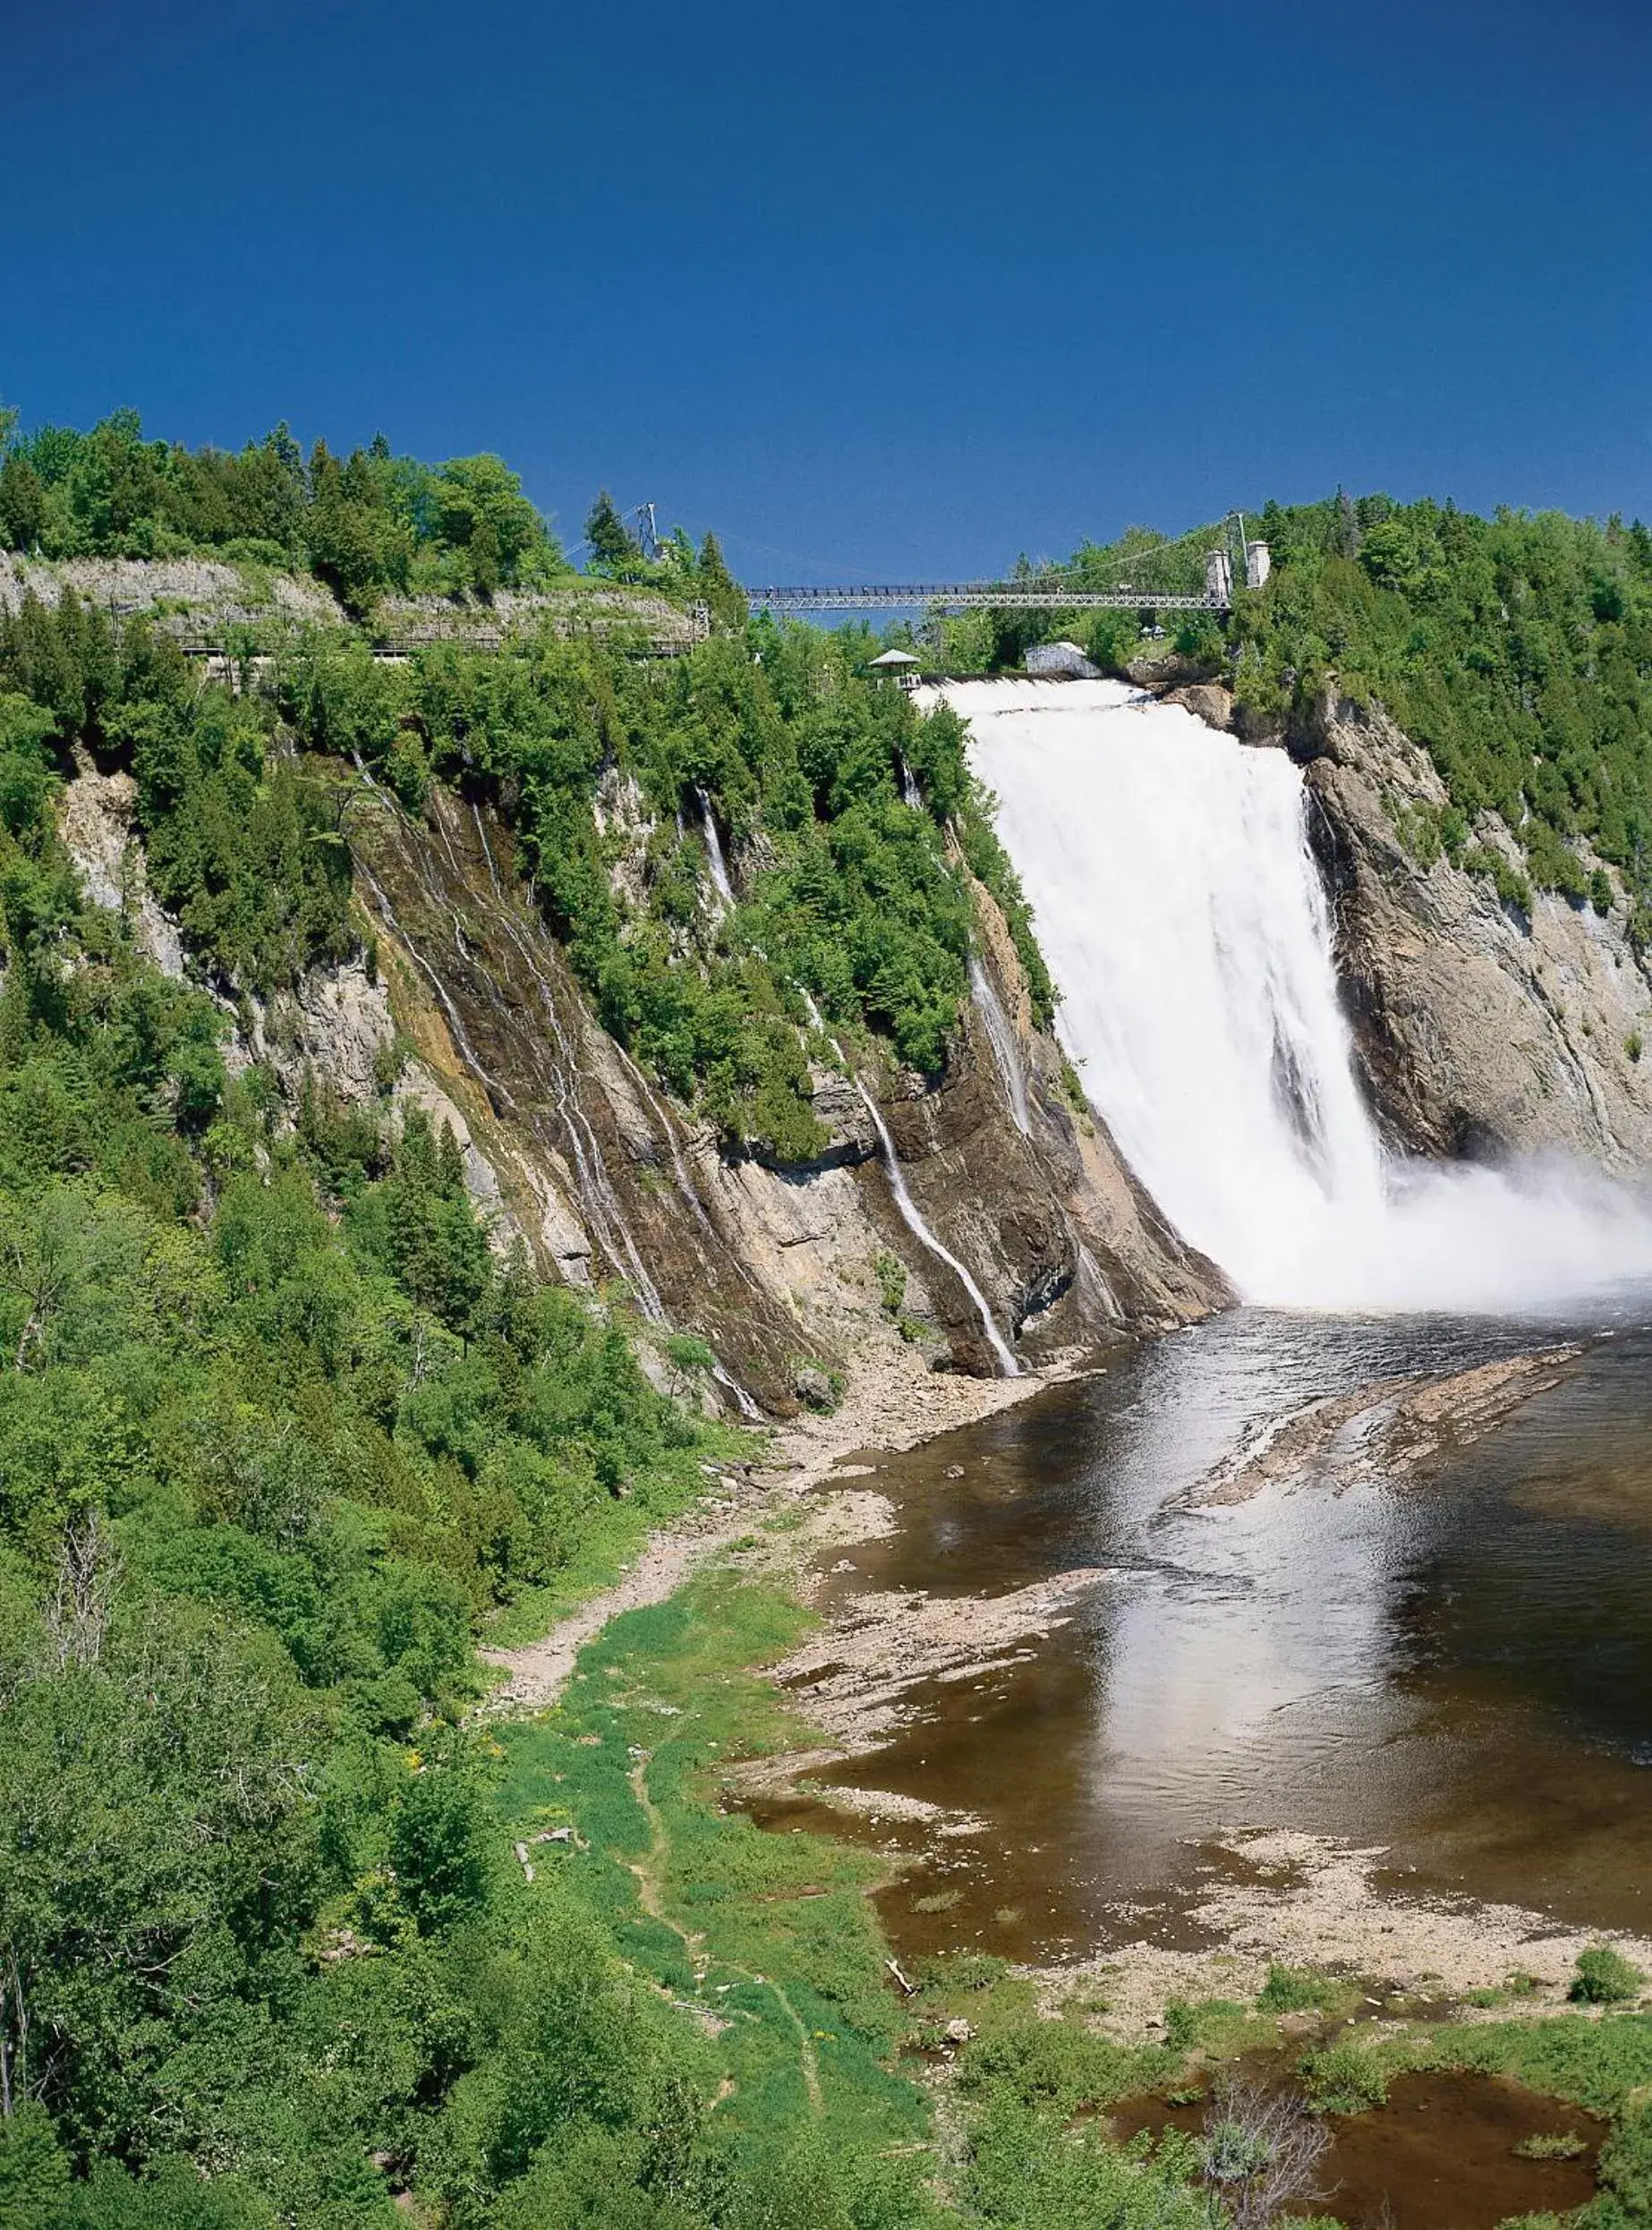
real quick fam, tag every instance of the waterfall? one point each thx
(714, 849)
(743, 1401)
(913, 1220)
(1182, 914)
(911, 1215)
(910, 794)
(1002, 1037)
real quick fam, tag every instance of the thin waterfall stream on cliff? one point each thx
(1367, 1559)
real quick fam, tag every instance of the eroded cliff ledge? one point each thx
(1481, 1031)
(778, 1267)
(569, 1149)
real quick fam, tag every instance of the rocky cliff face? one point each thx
(781, 1269)
(570, 1149)
(1481, 1031)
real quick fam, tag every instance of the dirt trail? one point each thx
(900, 1408)
(650, 1873)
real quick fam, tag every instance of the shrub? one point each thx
(1603, 1976)
(1055, 2064)
(1344, 2078)
(1261, 2152)
(963, 1971)
(1551, 2145)
(1299, 1991)
(1512, 886)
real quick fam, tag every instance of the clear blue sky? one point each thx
(901, 289)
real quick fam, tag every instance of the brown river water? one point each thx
(1458, 1669)
(1440, 2155)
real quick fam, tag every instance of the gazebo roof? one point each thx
(896, 658)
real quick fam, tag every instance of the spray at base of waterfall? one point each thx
(1180, 911)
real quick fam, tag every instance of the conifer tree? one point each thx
(717, 585)
(613, 551)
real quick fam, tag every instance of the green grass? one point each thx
(773, 1935)
(1304, 1989)
(1601, 2063)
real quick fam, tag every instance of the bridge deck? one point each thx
(1037, 596)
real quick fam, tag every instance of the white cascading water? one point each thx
(1002, 1037)
(911, 1215)
(1182, 914)
(714, 850)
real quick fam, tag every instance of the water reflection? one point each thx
(1459, 1670)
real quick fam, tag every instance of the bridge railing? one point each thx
(1039, 596)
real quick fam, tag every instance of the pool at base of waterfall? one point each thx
(1450, 1663)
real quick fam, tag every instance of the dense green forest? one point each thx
(365, 525)
(362, 523)
(280, 1430)
(845, 889)
(846, 892)
(1517, 649)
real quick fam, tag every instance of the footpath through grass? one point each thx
(767, 1942)
(765, 1949)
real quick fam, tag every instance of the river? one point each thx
(1458, 1668)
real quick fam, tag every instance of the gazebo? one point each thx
(899, 666)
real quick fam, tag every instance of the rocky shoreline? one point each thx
(893, 1406)
(1397, 1428)
(1274, 1895)
(1313, 1901)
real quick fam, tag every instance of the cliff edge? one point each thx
(1482, 1028)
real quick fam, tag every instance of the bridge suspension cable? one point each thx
(1047, 590)
(1034, 594)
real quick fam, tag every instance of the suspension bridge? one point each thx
(1037, 595)
(1233, 556)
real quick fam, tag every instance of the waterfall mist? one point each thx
(1182, 918)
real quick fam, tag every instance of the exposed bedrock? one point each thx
(1480, 1033)
(571, 1151)
(778, 1267)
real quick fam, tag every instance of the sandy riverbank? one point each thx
(1310, 1900)
(894, 1407)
